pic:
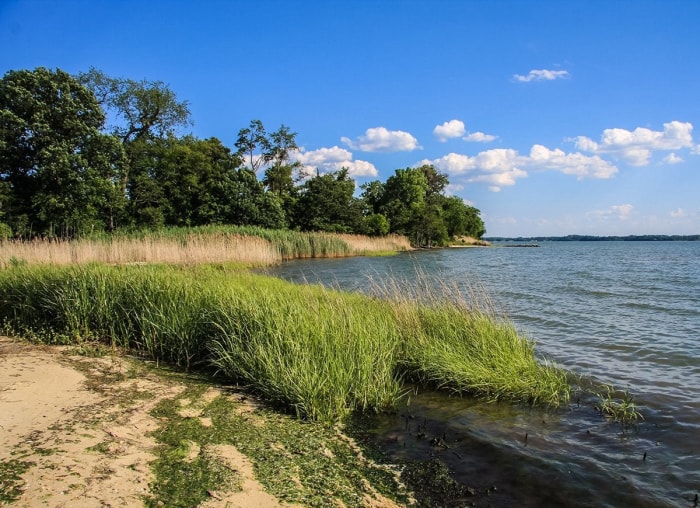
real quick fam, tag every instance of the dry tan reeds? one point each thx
(192, 249)
(365, 244)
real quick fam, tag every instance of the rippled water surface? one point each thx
(621, 313)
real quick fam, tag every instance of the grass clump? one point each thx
(618, 407)
(321, 352)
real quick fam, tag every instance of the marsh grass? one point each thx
(456, 339)
(618, 406)
(320, 352)
(190, 246)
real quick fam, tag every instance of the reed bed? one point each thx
(248, 246)
(376, 244)
(321, 352)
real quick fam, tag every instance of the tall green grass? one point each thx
(322, 352)
(456, 339)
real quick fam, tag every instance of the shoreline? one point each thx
(78, 426)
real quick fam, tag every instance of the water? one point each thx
(620, 313)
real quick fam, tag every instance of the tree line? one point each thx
(90, 153)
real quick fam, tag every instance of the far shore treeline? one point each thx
(88, 153)
(590, 238)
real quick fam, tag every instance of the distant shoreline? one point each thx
(588, 238)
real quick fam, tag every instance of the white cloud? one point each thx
(452, 163)
(678, 213)
(380, 139)
(577, 164)
(323, 156)
(541, 75)
(358, 168)
(695, 150)
(636, 147)
(451, 129)
(615, 212)
(498, 160)
(335, 158)
(501, 179)
(504, 166)
(672, 158)
(479, 137)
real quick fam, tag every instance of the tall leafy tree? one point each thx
(462, 219)
(61, 170)
(253, 144)
(279, 175)
(142, 112)
(326, 203)
(404, 201)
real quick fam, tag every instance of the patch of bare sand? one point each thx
(88, 442)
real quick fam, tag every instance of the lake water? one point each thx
(620, 313)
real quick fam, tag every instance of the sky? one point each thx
(551, 117)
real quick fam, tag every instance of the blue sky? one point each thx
(551, 117)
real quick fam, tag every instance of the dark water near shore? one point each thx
(621, 313)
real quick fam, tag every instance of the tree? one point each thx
(372, 195)
(279, 176)
(462, 219)
(326, 203)
(252, 144)
(403, 201)
(144, 110)
(59, 167)
(190, 182)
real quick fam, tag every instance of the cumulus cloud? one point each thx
(541, 75)
(501, 167)
(453, 163)
(636, 147)
(577, 164)
(448, 130)
(672, 158)
(479, 137)
(500, 179)
(323, 156)
(380, 139)
(335, 158)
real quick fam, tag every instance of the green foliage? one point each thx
(5, 231)
(375, 225)
(326, 203)
(60, 168)
(414, 203)
(63, 172)
(144, 109)
(462, 219)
